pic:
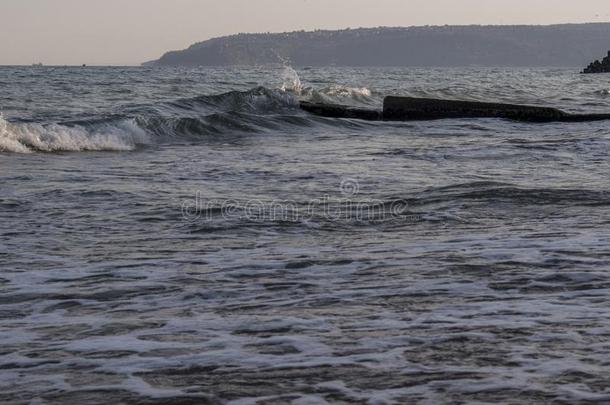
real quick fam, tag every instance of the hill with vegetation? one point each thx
(522, 45)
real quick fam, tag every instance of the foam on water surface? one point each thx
(491, 286)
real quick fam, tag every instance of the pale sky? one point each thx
(133, 31)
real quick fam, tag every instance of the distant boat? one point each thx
(37, 64)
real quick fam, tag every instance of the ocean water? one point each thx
(191, 236)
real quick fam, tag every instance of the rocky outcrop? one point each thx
(599, 67)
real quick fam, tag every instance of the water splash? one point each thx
(291, 81)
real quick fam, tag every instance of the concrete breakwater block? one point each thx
(341, 111)
(426, 109)
(409, 109)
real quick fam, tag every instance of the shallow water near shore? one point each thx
(134, 269)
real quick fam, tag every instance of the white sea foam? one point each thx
(27, 138)
(342, 91)
(338, 94)
(291, 82)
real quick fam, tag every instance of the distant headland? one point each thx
(565, 45)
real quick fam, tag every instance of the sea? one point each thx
(190, 236)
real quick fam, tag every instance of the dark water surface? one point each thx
(140, 262)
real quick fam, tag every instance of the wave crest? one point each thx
(26, 138)
(259, 100)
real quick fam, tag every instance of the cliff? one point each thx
(553, 45)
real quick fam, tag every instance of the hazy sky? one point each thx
(134, 31)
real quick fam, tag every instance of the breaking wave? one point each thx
(31, 137)
(236, 112)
